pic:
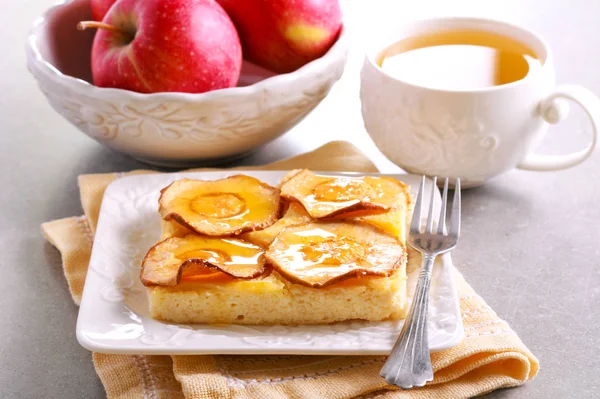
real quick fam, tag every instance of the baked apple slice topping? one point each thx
(320, 254)
(294, 215)
(392, 221)
(223, 207)
(171, 228)
(176, 257)
(331, 197)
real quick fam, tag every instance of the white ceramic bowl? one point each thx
(172, 129)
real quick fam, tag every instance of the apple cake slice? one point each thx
(296, 270)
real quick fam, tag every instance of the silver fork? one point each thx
(409, 364)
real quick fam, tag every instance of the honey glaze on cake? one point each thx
(393, 221)
(336, 190)
(177, 258)
(223, 207)
(218, 205)
(205, 276)
(294, 215)
(342, 197)
(320, 254)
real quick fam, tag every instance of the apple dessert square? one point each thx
(318, 249)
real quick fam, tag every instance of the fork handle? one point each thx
(409, 363)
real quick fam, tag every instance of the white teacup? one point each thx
(471, 134)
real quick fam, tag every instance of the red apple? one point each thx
(283, 35)
(153, 46)
(100, 8)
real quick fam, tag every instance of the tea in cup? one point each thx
(468, 98)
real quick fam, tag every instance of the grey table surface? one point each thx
(530, 244)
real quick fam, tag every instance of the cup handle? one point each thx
(553, 111)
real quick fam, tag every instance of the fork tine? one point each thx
(415, 224)
(431, 201)
(455, 216)
(442, 221)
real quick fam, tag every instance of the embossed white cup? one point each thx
(471, 134)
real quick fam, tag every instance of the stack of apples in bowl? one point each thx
(183, 82)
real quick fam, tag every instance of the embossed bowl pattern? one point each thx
(172, 129)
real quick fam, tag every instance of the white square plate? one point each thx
(114, 317)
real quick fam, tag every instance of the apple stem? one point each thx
(83, 25)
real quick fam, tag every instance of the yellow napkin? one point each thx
(491, 356)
